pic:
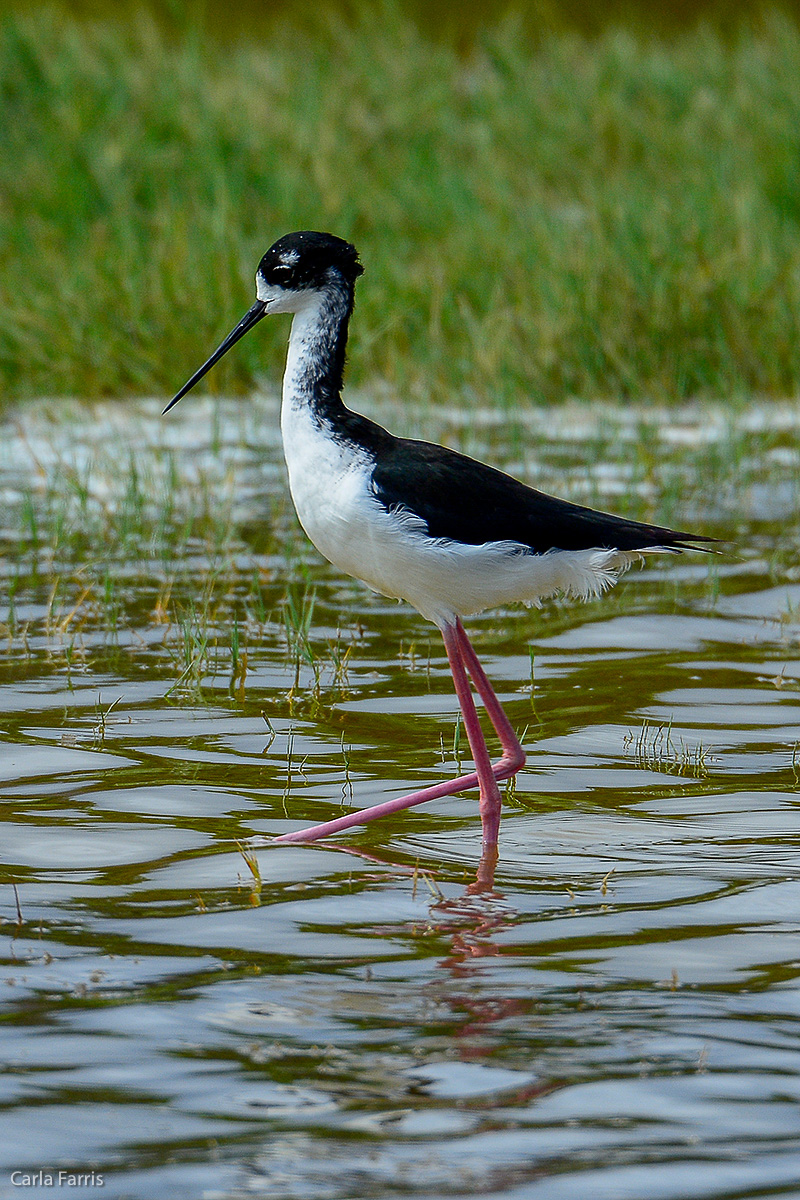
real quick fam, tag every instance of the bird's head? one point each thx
(294, 269)
(300, 263)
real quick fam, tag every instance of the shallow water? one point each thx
(619, 1017)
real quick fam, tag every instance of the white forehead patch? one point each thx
(290, 257)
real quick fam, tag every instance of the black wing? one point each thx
(462, 499)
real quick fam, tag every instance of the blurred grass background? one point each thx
(546, 206)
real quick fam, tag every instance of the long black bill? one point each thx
(250, 318)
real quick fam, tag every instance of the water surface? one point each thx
(191, 1011)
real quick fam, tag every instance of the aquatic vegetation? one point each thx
(251, 860)
(656, 748)
(298, 613)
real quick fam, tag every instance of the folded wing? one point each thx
(466, 501)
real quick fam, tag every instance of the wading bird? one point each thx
(417, 521)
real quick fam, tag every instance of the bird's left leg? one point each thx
(513, 755)
(490, 802)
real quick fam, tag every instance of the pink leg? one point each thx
(459, 653)
(490, 802)
(513, 754)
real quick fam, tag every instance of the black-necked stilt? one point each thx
(417, 521)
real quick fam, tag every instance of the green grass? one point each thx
(538, 218)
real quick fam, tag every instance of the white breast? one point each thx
(329, 482)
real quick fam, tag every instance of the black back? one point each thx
(464, 500)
